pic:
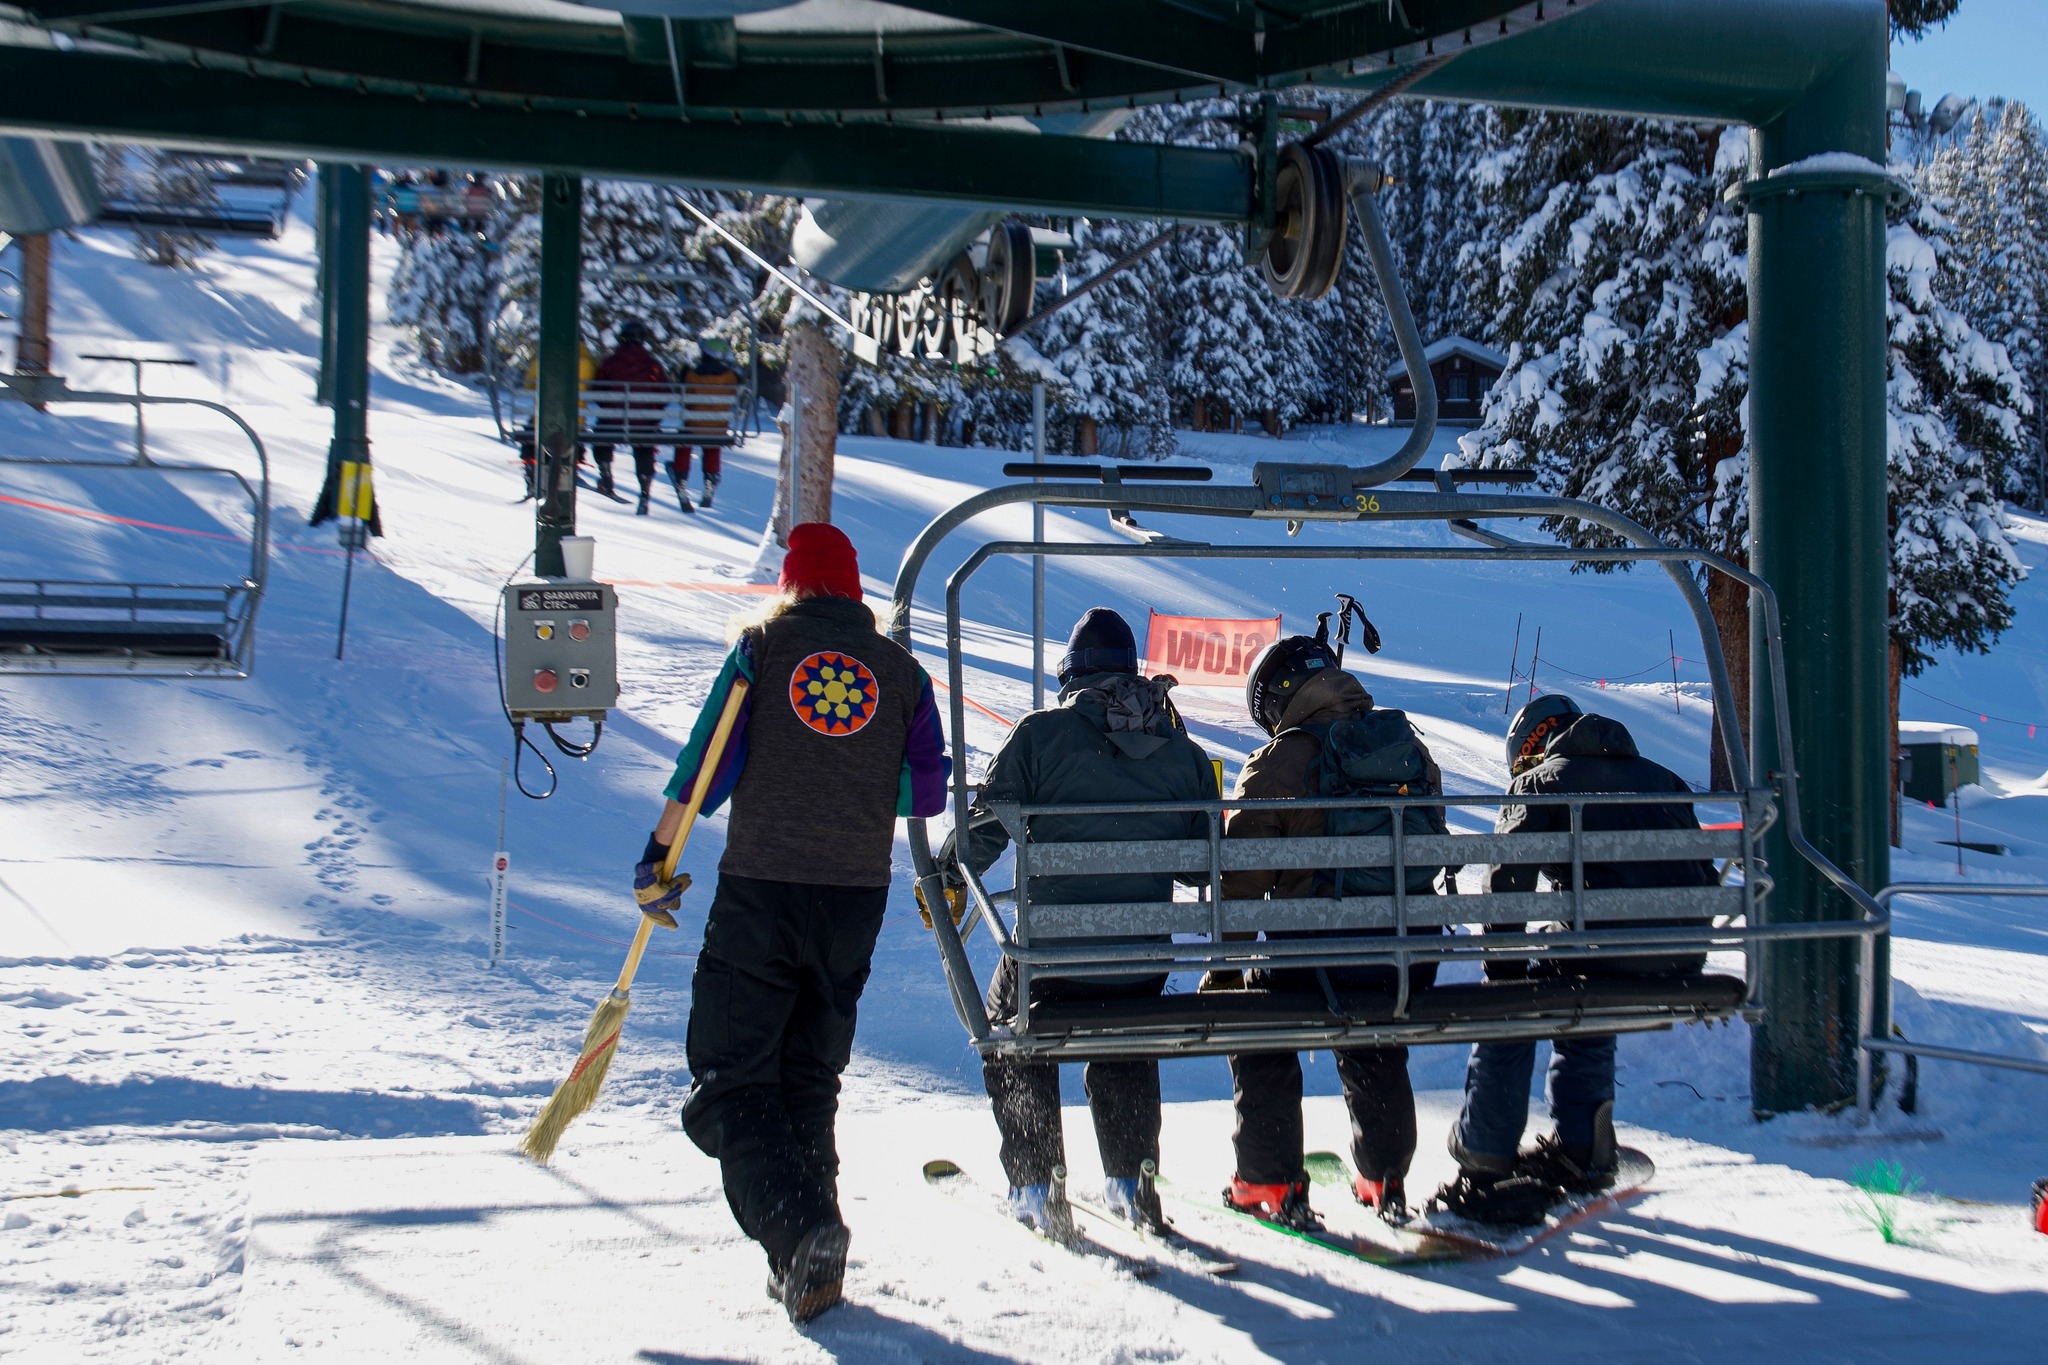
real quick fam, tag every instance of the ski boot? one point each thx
(641, 510)
(1044, 1208)
(2041, 1205)
(1387, 1196)
(815, 1275)
(710, 487)
(1283, 1204)
(604, 480)
(1135, 1198)
(1577, 1170)
(1514, 1201)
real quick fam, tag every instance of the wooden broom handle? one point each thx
(707, 768)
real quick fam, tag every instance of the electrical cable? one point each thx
(520, 743)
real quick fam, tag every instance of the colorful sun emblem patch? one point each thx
(833, 693)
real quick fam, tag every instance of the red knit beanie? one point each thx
(820, 562)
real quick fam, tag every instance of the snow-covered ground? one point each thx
(242, 948)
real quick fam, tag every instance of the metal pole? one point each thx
(345, 497)
(1818, 535)
(555, 401)
(328, 229)
(1037, 561)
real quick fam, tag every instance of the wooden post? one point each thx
(814, 373)
(32, 345)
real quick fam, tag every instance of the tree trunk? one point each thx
(1728, 600)
(32, 345)
(931, 422)
(878, 425)
(1084, 437)
(1200, 416)
(814, 368)
(1896, 653)
(900, 420)
(1270, 420)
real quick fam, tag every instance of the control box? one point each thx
(561, 650)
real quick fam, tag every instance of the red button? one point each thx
(579, 630)
(544, 679)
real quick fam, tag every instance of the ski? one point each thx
(1633, 1171)
(1357, 1248)
(1173, 1247)
(947, 1177)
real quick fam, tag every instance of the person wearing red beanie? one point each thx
(836, 736)
(820, 563)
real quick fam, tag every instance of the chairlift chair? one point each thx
(135, 627)
(1210, 933)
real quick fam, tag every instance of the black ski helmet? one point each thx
(1277, 674)
(634, 332)
(1535, 725)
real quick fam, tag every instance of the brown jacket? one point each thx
(1280, 769)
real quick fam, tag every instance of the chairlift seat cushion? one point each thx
(1564, 998)
(124, 638)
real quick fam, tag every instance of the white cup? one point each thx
(579, 555)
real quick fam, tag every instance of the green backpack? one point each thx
(1374, 753)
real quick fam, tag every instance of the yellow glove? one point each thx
(956, 904)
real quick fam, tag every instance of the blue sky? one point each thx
(1991, 47)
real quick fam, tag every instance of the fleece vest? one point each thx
(827, 726)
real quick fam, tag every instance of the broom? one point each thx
(601, 1039)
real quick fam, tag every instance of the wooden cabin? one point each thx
(1464, 370)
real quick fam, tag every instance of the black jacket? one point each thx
(1597, 754)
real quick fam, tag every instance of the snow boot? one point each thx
(710, 487)
(1575, 1169)
(1388, 1196)
(1514, 1201)
(812, 1280)
(604, 480)
(1136, 1199)
(1284, 1204)
(641, 510)
(1044, 1208)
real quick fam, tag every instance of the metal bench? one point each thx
(135, 627)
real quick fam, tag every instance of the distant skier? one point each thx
(839, 736)
(1112, 737)
(1554, 748)
(710, 386)
(1323, 723)
(628, 396)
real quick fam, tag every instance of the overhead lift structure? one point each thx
(964, 108)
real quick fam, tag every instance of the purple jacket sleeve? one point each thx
(739, 666)
(922, 792)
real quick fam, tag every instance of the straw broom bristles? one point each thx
(601, 1039)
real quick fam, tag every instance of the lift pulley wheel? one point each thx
(1009, 275)
(1309, 218)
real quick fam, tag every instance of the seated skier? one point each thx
(1555, 748)
(1113, 737)
(1328, 740)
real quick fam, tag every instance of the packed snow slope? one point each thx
(260, 1045)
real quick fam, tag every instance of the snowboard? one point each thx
(1633, 1171)
(1171, 1246)
(1393, 1248)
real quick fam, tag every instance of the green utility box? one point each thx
(1934, 759)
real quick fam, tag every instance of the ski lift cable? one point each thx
(1392, 90)
(864, 346)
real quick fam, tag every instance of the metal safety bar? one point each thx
(1302, 493)
(1871, 1042)
(136, 628)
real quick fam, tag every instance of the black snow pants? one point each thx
(771, 1027)
(1266, 1092)
(1123, 1096)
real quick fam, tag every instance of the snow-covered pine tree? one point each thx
(1956, 405)
(1620, 297)
(1996, 185)
(1431, 209)
(445, 293)
(1103, 356)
